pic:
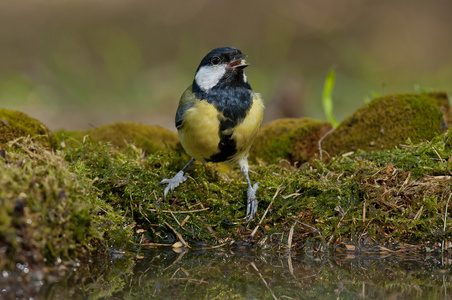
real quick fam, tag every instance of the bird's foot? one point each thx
(251, 206)
(173, 182)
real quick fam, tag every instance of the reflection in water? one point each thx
(251, 274)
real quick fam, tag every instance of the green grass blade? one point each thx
(327, 98)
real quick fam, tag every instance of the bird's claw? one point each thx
(173, 182)
(251, 206)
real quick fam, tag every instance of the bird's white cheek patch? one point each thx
(208, 76)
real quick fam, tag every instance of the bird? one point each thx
(218, 118)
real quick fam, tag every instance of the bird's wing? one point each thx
(186, 101)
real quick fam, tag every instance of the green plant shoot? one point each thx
(327, 98)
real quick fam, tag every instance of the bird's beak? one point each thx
(238, 63)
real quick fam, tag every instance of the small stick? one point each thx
(364, 211)
(289, 263)
(156, 245)
(179, 236)
(289, 240)
(321, 141)
(277, 193)
(184, 221)
(445, 220)
(265, 282)
(180, 211)
(420, 211)
(174, 217)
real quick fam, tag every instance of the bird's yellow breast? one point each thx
(245, 132)
(200, 131)
(199, 134)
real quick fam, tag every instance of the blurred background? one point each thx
(81, 64)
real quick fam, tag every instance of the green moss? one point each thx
(292, 139)
(91, 195)
(387, 122)
(69, 203)
(324, 202)
(442, 100)
(16, 124)
(149, 138)
(50, 211)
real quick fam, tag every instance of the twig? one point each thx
(184, 221)
(445, 220)
(445, 213)
(315, 230)
(260, 222)
(179, 236)
(440, 158)
(156, 245)
(309, 226)
(177, 221)
(341, 211)
(212, 232)
(180, 211)
(321, 141)
(144, 216)
(265, 282)
(289, 264)
(364, 210)
(216, 246)
(262, 241)
(191, 280)
(439, 177)
(289, 240)
(420, 211)
(175, 261)
(279, 190)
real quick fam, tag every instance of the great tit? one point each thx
(218, 117)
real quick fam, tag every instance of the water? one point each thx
(247, 274)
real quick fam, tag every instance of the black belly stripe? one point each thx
(227, 145)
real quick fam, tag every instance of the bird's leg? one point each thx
(176, 180)
(251, 206)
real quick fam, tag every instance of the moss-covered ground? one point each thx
(51, 211)
(119, 134)
(62, 203)
(388, 121)
(368, 199)
(15, 124)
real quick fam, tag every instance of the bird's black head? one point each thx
(221, 67)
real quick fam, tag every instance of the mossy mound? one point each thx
(442, 100)
(149, 138)
(50, 210)
(386, 122)
(91, 196)
(369, 199)
(16, 124)
(295, 140)
(65, 203)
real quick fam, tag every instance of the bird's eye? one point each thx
(215, 60)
